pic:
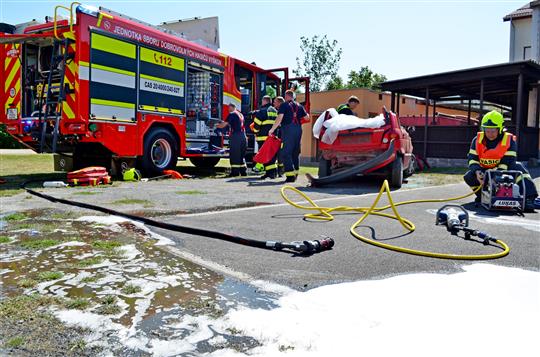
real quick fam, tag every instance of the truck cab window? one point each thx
(244, 83)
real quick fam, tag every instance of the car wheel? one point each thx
(396, 173)
(324, 167)
(160, 152)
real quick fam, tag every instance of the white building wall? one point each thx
(535, 34)
(520, 32)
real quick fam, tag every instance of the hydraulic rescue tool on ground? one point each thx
(456, 219)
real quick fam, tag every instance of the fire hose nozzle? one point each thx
(304, 247)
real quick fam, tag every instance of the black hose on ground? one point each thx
(304, 247)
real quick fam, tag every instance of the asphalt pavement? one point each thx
(251, 208)
(352, 259)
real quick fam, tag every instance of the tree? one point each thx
(319, 60)
(335, 82)
(365, 78)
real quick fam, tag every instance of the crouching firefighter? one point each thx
(265, 118)
(494, 148)
(237, 141)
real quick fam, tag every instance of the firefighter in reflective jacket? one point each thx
(237, 141)
(265, 117)
(289, 120)
(494, 148)
(347, 108)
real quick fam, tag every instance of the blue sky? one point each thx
(396, 38)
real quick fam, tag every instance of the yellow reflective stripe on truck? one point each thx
(160, 109)
(161, 59)
(112, 45)
(112, 103)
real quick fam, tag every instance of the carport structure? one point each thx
(509, 87)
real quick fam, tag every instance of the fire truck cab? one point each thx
(101, 88)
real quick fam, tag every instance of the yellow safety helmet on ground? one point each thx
(493, 119)
(132, 175)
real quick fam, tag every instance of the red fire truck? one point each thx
(101, 88)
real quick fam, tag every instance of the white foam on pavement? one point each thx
(112, 221)
(487, 310)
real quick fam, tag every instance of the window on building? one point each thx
(402, 100)
(527, 52)
(380, 96)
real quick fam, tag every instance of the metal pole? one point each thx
(537, 119)
(469, 112)
(426, 123)
(392, 101)
(433, 121)
(519, 110)
(481, 101)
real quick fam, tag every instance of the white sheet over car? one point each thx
(339, 122)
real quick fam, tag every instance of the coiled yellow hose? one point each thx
(325, 214)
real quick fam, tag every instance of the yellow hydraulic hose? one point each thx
(324, 213)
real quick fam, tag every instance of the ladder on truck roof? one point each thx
(53, 102)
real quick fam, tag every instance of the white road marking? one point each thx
(316, 201)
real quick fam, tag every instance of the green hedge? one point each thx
(7, 141)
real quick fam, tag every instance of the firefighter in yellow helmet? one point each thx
(494, 148)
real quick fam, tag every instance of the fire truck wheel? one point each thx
(396, 173)
(204, 162)
(324, 167)
(160, 152)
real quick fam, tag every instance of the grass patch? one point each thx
(108, 306)
(78, 345)
(77, 303)
(89, 262)
(106, 244)
(15, 217)
(39, 243)
(19, 168)
(130, 289)
(11, 192)
(63, 215)
(23, 226)
(190, 192)
(85, 193)
(92, 279)
(131, 201)
(44, 335)
(14, 342)
(49, 275)
(27, 283)
(4, 239)
(25, 307)
(308, 169)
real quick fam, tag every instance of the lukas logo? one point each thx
(505, 203)
(106, 25)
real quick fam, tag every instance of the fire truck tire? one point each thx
(324, 167)
(204, 162)
(396, 173)
(160, 152)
